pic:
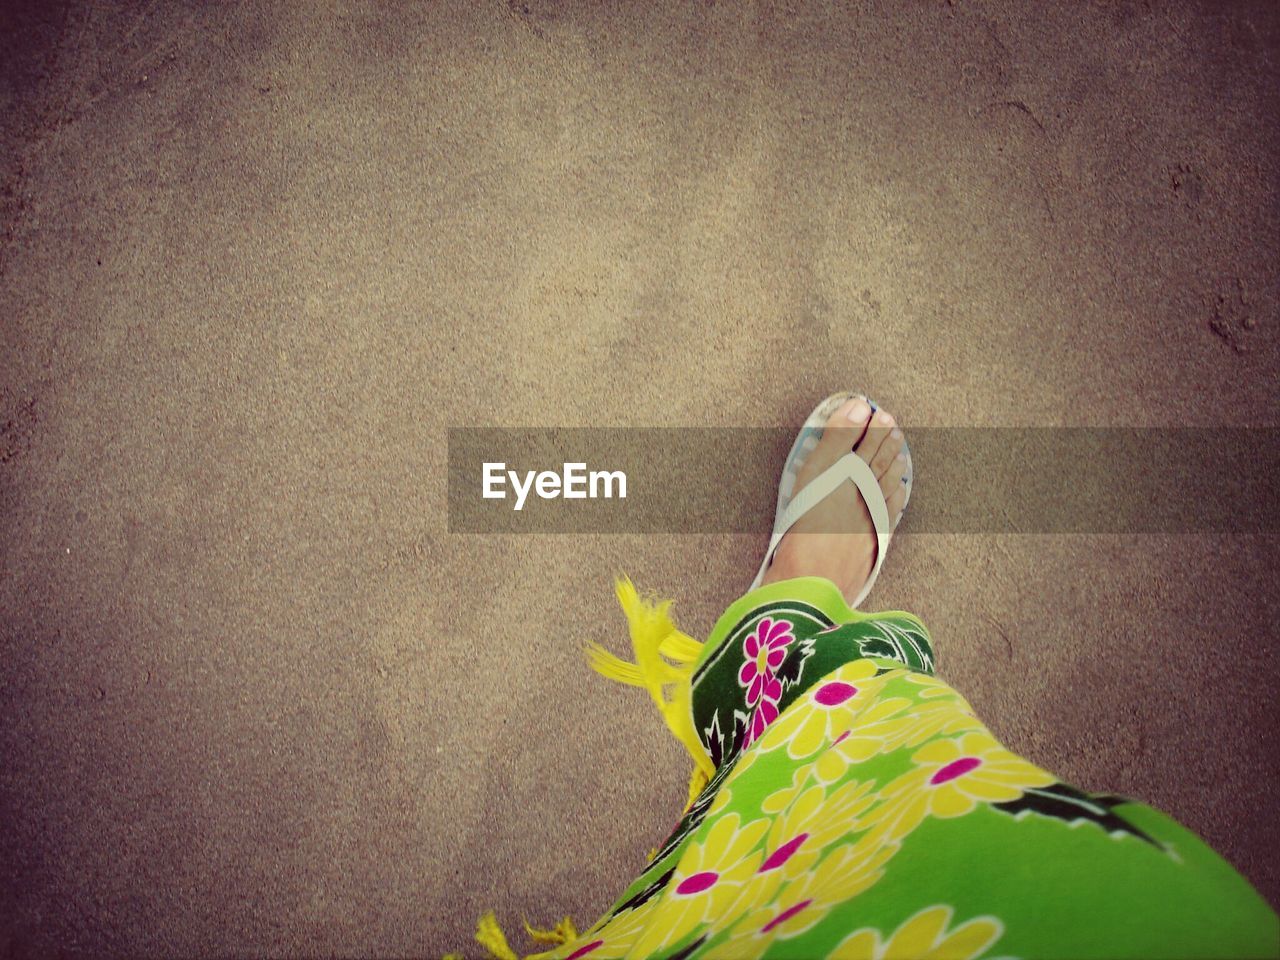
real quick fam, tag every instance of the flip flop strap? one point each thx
(854, 469)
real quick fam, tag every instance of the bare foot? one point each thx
(836, 539)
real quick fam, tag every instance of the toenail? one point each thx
(859, 412)
(882, 417)
(901, 458)
(897, 434)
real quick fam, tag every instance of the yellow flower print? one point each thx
(950, 779)
(933, 687)
(847, 871)
(878, 727)
(800, 836)
(812, 823)
(706, 884)
(827, 709)
(923, 937)
(934, 717)
(721, 801)
(610, 941)
(841, 875)
(779, 800)
(892, 668)
(743, 763)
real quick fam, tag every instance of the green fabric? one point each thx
(860, 809)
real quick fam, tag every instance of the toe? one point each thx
(887, 455)
(897, 501)
(891, 479)
(878, 430)
(843, 430)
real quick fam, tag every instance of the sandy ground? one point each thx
(257, 700)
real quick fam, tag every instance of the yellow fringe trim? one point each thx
(654, 636)
(664, 659)
(562, 932)
(490, 936)
(663, 666)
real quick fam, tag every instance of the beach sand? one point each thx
(257, 699)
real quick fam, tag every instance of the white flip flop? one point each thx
(850, 467)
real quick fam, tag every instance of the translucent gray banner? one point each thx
(967, 480)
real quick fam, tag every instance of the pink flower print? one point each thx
(766, 710)
(763, 651)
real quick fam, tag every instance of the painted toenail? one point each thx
(859, 412)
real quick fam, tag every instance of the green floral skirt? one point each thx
(851, 805)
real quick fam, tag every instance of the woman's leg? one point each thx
(854, 806)
(846, 803)
(858, 808)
